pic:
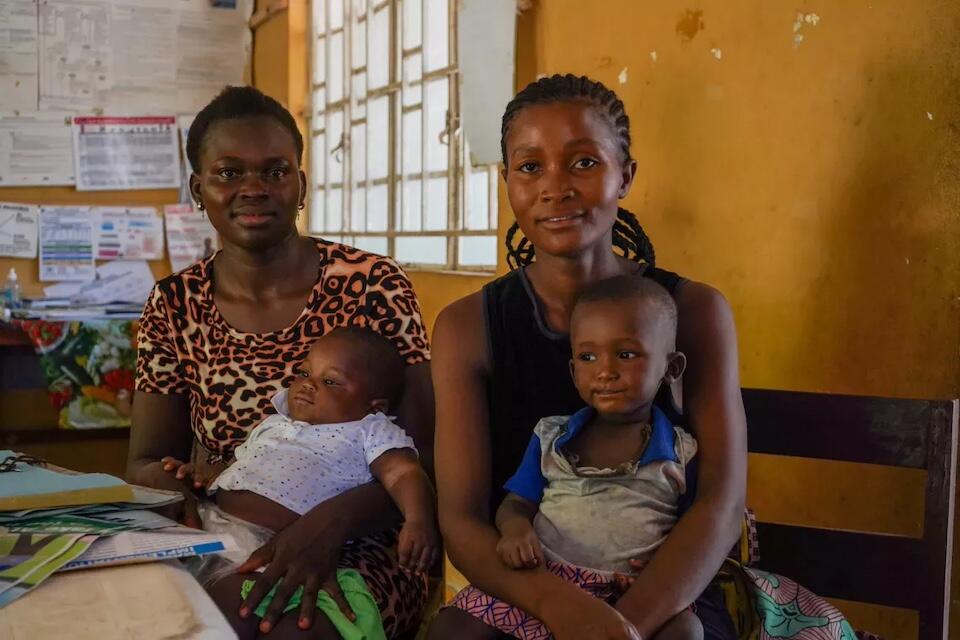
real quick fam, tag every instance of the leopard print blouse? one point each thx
(186, 347)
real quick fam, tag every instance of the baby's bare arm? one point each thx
(514, 511)
(400, 473)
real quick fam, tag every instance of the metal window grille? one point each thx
(390, 171)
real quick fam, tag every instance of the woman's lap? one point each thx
(400, 597)
(709, 607)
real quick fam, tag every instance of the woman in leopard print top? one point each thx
(218, 339)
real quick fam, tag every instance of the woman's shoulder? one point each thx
(669, 280)
(185, 283)
(336, 256)
(459, 335)
(697, 297)
(462, 315)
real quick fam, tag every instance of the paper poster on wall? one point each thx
(66, 244)
(126, 57)
(190, 236)
(18, 230)
(18, 55)
(213, 47)
(126, 152)
(143, 69)
(131, 233)
(36, 149)
(75, 53)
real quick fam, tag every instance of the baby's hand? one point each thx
(622, 582)
(186, 472)
(419, 546)
(519, 547)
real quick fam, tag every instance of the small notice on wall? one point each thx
(131, 233)
(190, 236)
(36, 149)
(126, 153)
(66, 244)
(18, 230)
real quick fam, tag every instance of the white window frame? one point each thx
(324, 220)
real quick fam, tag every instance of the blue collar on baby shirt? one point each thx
(662, 445)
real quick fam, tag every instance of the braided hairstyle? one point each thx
(628, 235)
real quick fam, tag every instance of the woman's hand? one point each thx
(581, 616)
(304, 554)
(155, 475)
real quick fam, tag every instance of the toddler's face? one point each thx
(622, 351)
(331, 385)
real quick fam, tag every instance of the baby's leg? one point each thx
(456, 623)
(683, 626)
(226, 593)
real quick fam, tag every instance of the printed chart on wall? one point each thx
(66, 244)
(126, 153)
(130, 233)
(190, 236)
(128, 57)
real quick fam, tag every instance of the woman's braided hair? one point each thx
(628, 235)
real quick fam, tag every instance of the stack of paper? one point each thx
(56, 520)
(33, 487)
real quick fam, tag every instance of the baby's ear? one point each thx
(380, 405)
(676, 365)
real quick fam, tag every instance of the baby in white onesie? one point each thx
(331, 433)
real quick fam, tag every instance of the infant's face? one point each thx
(620, 356)
(330, 385)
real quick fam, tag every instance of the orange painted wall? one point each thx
(808, 183)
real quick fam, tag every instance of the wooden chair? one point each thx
(907, 572)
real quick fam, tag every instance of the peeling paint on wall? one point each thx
(716, 52)
(622, 78)
(803, 20)
(689, 24)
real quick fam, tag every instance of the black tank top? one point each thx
(531, 377)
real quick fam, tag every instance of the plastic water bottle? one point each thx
(11, 290)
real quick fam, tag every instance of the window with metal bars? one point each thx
(390, 171)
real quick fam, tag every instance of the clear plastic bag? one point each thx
(249, 537)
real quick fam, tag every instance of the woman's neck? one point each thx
(559, 280)
(240, 272)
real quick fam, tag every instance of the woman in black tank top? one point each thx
(501, 358)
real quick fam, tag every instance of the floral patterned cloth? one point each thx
(766, 606)
(762, 605)
(89, 368)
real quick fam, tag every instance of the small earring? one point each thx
(301, 206)
(199, 205)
